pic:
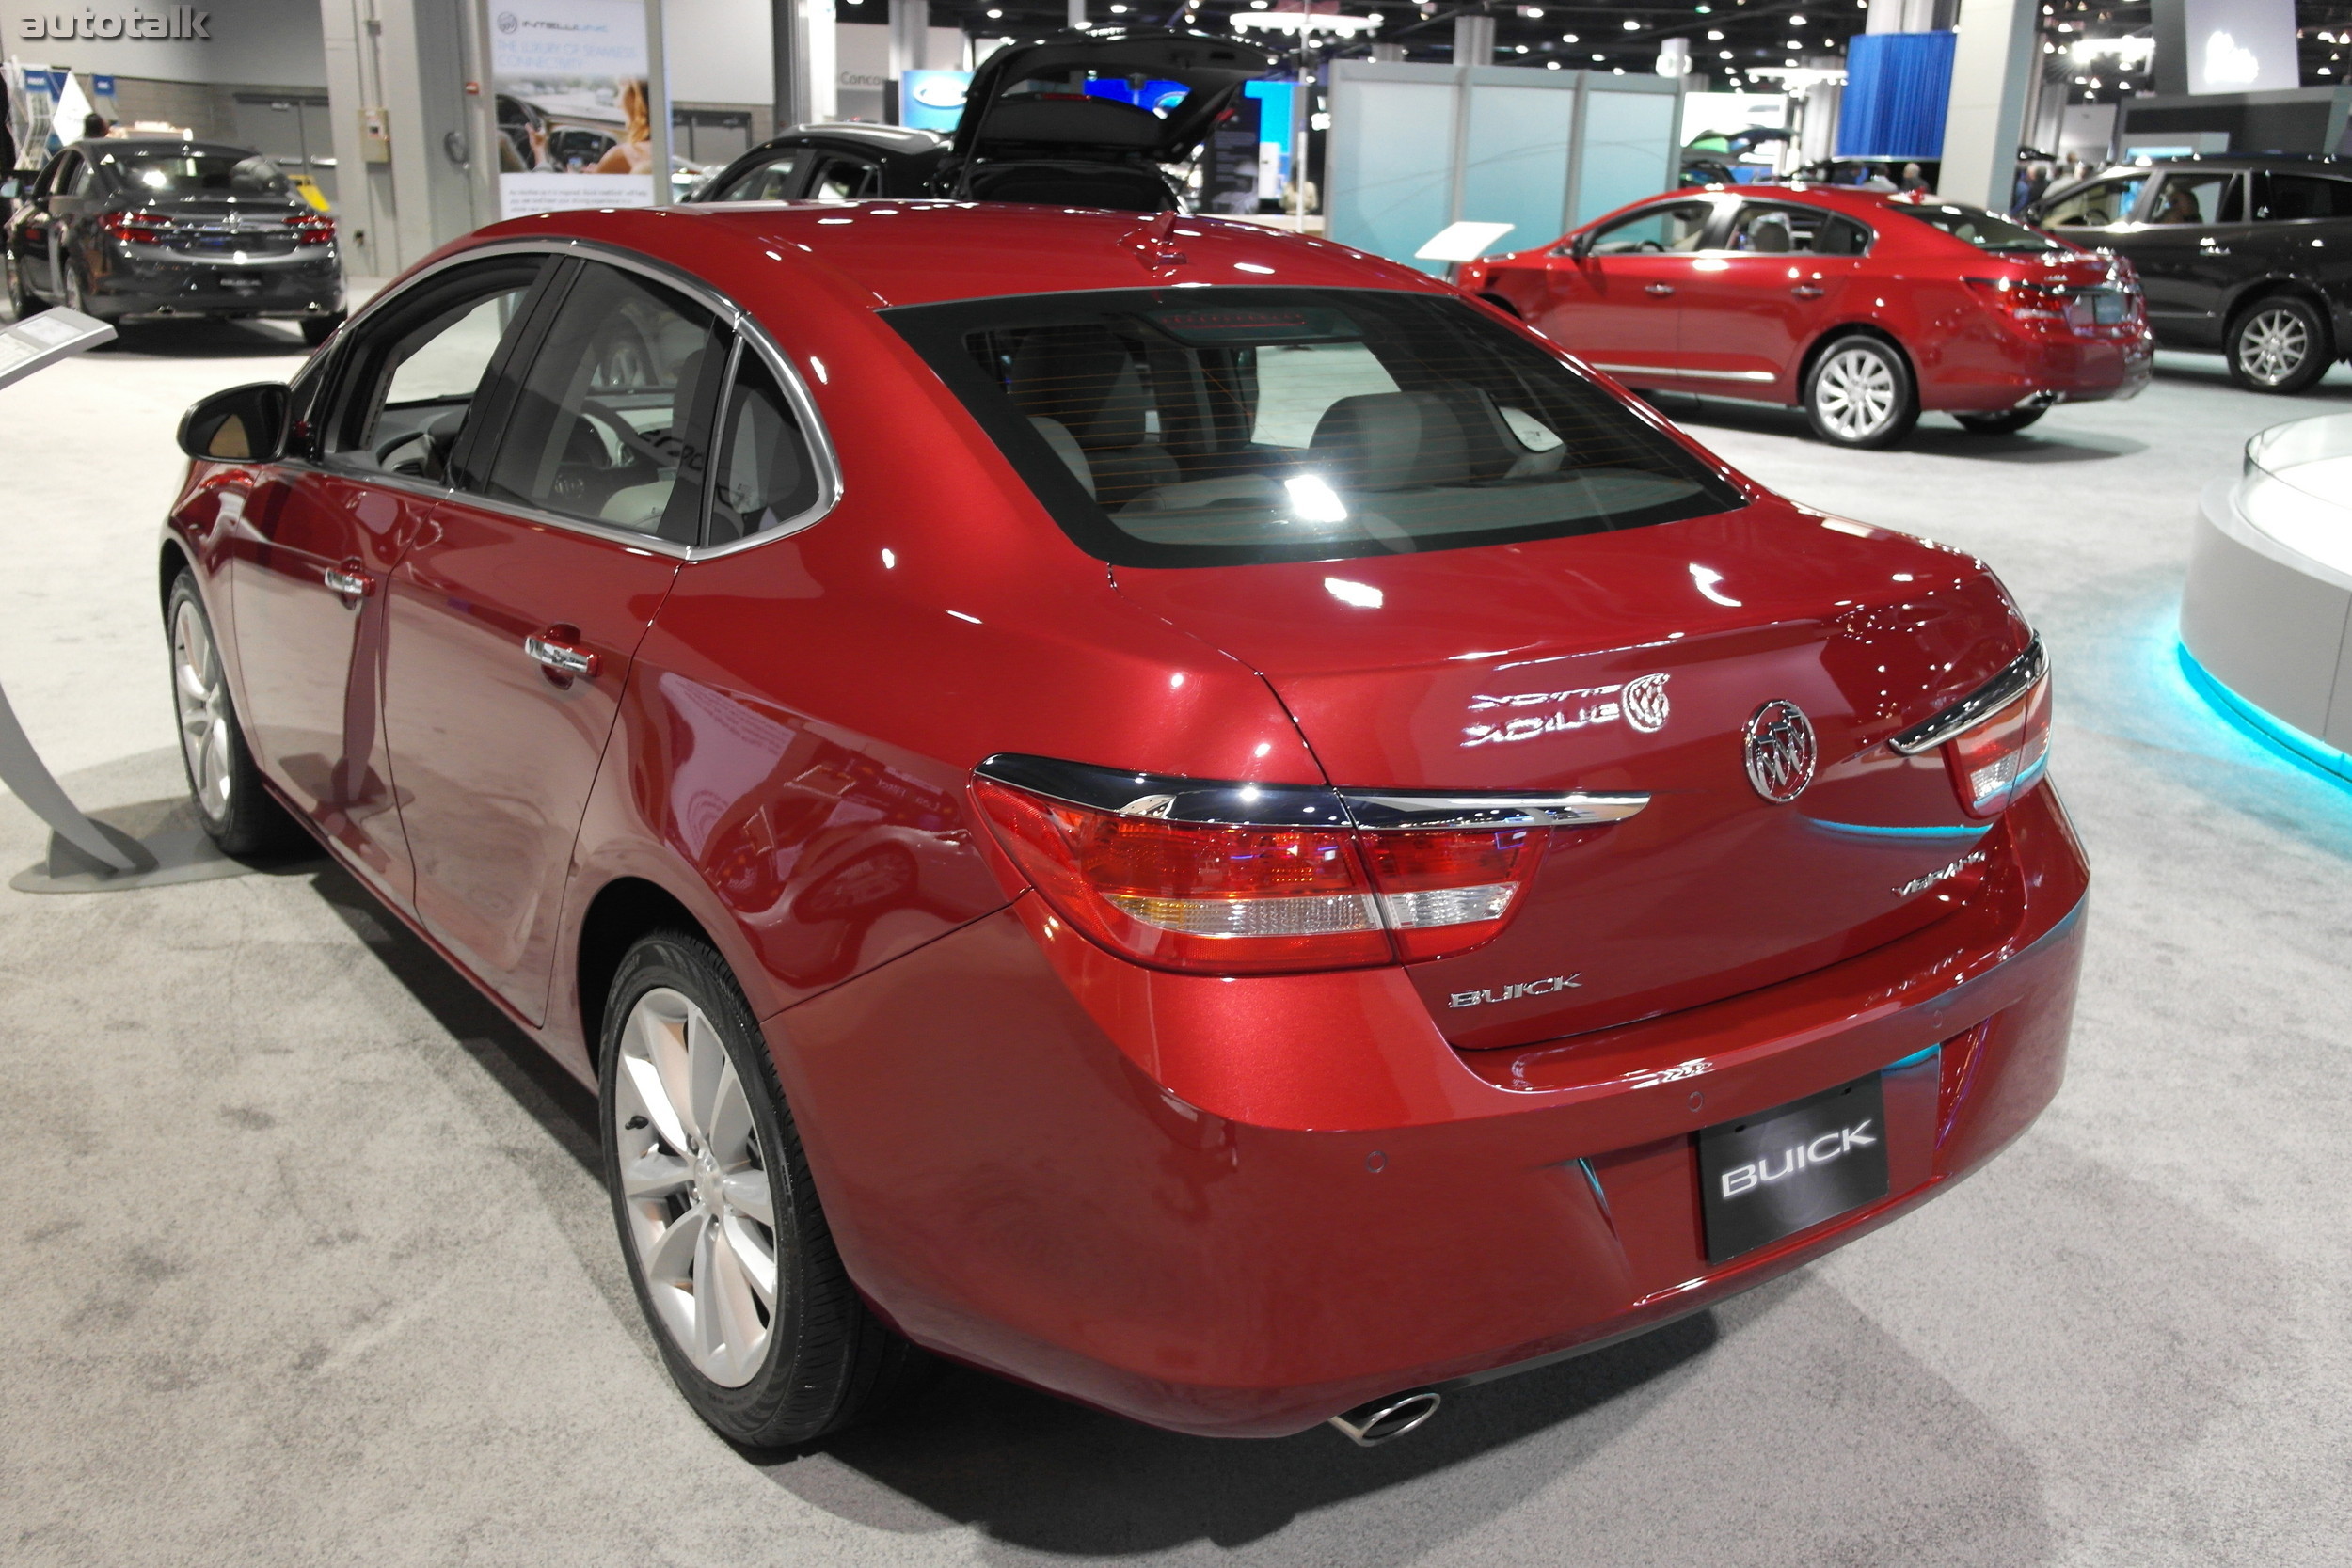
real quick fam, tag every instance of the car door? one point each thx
(37, 233)
(1777, 278)
(2189, 248)
(1614, 294)
(317, 538)
(73, 213)
(2303, 229)
(515, 617)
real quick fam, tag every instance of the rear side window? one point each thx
(2283, 197)
(1772, 229)
(772, 181)
(1184, 427)
(766, 476)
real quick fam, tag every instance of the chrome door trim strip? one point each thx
(1687, 375)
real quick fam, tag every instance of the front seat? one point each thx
(1083, 379)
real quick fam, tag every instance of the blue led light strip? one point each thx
(2274, 732)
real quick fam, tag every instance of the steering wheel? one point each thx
(626, 434)
(1647, 246)
(438, 434)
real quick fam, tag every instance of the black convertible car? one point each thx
(1031, 131)
(116, 229)
(2250, 256)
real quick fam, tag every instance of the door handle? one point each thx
(347, 581)
(1660, 290)
(1807, 291)
(556, 649)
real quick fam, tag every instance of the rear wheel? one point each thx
(223, 779)
(2008, 423)
(2279, 345)
(77, 289)
(1859, 393)
(728, 1248)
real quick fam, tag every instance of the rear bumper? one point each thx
(2022, 368)
(146, 287)
(1238, 1208)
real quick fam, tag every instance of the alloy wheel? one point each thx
(2273, 345)
(1855, 393)
(203, 699)
(700, 1210)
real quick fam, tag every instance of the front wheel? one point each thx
(223, 779)
(2008, 423)
(2280, 345)
(1859, 393)
(728, 1248)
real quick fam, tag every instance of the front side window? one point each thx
(1983, 230)
(1179, 427)
(770, 181)
(608, 422)
(2202, 197)
(1771, 229)
(416, 366)
(2100, 204)
(2284, 198)
(1674, 226)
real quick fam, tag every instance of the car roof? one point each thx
(147, 146)
(895, 139)
(2317, 160)
(925, 251)
(1803, 193)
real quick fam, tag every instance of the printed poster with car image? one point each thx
(574, 104)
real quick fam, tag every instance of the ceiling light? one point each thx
(1724, 55)
(1796, 22)
(1631, 25)
(1714, 35)
(1567, 38)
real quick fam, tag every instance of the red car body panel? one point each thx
(1744, 324)
(1222, 1205)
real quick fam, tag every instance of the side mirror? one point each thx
(244, 425)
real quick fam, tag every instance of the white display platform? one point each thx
(2268, 603)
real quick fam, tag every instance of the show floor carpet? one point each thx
(305, 1261)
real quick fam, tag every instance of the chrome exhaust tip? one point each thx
(1371, 1424)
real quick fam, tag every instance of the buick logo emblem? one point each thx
(1781, 751)
(1643, 700)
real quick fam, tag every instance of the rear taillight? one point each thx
(1999, 759)
(136, 227)
(1312, 887)
(2026, 302)
(312, 229)
(1997, 740)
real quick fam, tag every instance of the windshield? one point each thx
(202, 174)
(1185, 427)
(1983, 230)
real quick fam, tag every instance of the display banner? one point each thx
(2241, 45)
(932, 100)
(574, 104)
(1228, 183)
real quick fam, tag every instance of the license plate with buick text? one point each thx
(1775, 1173)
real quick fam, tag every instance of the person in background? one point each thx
(633, 152)
(1914, 179)
(94, 126)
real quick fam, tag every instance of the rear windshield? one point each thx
(1983, 230)
(1190, 427)
(203, 174)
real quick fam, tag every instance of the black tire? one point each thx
(317, 329)
(2008, 423)
(825, 1360)
(22, 302)
(1859, 393)
(224, 782)
(77, 289)
(2279, 344)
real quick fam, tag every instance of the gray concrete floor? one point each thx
(306, 1262)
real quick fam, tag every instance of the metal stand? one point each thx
(85, 855)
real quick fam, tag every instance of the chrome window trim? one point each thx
(1237, 804)
(1989, 698)
(747, 330)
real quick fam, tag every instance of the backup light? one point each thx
(1997, 740)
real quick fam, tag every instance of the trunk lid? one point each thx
(1071, 95)
(1632, 662)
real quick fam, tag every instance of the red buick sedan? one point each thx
(1170, 811)
(1864, 308)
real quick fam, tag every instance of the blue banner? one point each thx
(1897, 87)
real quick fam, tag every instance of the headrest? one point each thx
(1398, 440)
(1066, 448)
(1834, 239)
(1770, 234)
(1083, 378)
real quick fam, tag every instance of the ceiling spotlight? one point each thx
(1796, 22)
(1724, 55)
(1631, 25)
(1714, 35)
(1569, 37)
